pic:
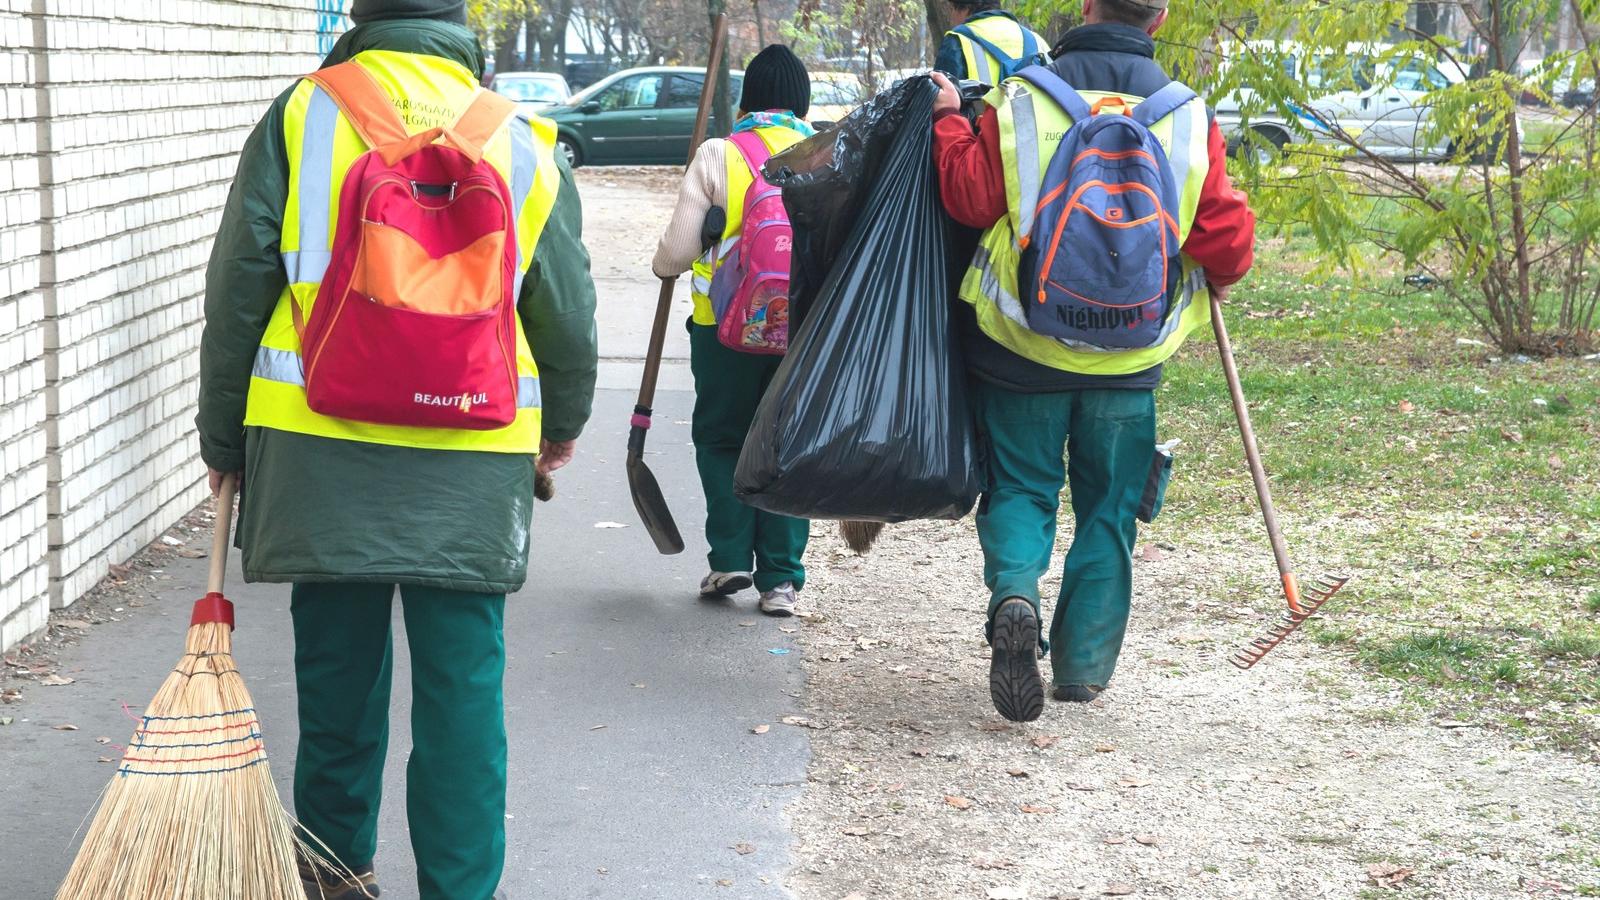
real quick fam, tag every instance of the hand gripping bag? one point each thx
(868, 418)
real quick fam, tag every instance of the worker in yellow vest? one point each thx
(377, 458)
(1067, 370)
(986, 43)
(749, 547)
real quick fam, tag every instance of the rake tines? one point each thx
(1293, 618)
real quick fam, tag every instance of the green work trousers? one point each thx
(727, 387)
(1109, 442)
(456, 776)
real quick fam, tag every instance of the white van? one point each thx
(1377, 100)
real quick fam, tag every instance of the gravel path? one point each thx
(1186, 779)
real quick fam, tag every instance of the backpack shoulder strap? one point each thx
(1162, 103)
(1030, 44)
(754, 150)
(363, 102)
(482, 120)
(1056, 88)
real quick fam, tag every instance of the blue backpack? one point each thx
(1031, 54)
(1101, 265)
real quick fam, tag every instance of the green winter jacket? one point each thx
(319, 509)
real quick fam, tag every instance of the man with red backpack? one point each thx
(1106, 224)
(730, 228)
(399, 320)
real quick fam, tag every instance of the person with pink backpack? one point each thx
(731, 230)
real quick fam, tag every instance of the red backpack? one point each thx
(750, 292)
(415, 323)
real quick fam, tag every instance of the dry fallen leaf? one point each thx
(744, 848)
(1039, 810)
(1104, 748)
(1081, 787)
(985, 862)
(102, 740)
(66, 728)
(1149, 840)
(856, 830)
(1130, 781)
(1387, 874)
(1511, 434)
(1046, 741)
(1017, 773)
(106, 759)
(958, 802)
(1119, 889)
(1406, 406)
(761, 729)
(1117, 839)
(1152, 553)
(920, 752)
(993, 727)
(54, 680)
(76, 624)
(1555, 462)
(725, 882)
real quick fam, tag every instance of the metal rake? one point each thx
(1301, 607)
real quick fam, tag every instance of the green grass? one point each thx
(1409, 455)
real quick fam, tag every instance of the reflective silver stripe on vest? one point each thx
(310, 263)
(528, 394)
(524, 166)
(981, 57)
(1011, 307)
(1179, 152)
(284, 366)
(1027, 150)
(278, 365)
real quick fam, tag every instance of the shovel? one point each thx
(647, 497)
(1302, 606)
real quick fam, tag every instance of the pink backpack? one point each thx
(750, 292)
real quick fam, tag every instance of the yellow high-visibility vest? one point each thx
(1031, 127)
(428, 91)
(1004, 33)
(739, 182)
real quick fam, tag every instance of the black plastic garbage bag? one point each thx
(868, 418)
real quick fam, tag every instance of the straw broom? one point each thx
(192, 813)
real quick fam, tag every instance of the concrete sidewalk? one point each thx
(634, 770)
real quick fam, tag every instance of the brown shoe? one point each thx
(322, 883)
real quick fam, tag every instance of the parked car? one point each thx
(834, 95)
(535, 92)
(1380, 100)
(634, 117)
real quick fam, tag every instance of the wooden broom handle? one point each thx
(1252, 455)
(220, 537)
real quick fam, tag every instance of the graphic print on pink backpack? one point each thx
(414, 323)
(750, 292)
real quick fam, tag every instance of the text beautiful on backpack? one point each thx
(750, 292)
(420, 291)
(1101, 266)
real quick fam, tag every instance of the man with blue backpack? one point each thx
(986, 43)
(731, 230)
(1108, 216)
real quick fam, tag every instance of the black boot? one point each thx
(1076, 693)
(1014, 682)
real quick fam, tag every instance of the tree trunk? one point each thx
(761, 28)
(720, 107)
(1428, 18)
(505, 47)
(938, 23)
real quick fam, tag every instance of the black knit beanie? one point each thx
(776, 79)
(378, 10)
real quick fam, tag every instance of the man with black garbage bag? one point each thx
(985, 42)
(1076, 296)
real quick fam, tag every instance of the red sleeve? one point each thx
(1223, 236)
(971, 180)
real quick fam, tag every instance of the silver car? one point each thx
(534, 92)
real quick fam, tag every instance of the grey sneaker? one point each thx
(725, 584)
(780, 601)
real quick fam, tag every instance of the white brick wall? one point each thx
(120, 122)
(24, 565)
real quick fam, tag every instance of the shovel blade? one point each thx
(652, 507)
